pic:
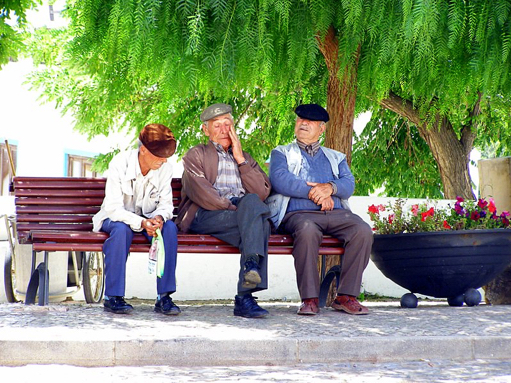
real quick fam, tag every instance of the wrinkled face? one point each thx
(148, 160)
(217, 129)
(308, 131)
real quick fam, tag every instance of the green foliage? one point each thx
(13, 20)
(128, 63)
(390, 155)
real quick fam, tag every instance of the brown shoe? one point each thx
(309, 306)
(349, 304)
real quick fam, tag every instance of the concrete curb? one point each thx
(206, 352)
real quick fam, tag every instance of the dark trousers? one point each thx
(247, 228)
(308, 227)
(116, 250)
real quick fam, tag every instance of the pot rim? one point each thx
(446, 232)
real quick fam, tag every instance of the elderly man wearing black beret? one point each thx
(311, 186)
(138, 198)
(223, 193)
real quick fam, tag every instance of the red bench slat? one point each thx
(55, 214)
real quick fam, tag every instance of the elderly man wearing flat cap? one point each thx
(138, 198)
(311, 185)
(223, 193)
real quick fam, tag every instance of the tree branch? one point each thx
(402, 107)
(468, 132)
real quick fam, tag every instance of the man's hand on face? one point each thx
(320, 192)
(152, 224)
(237, 151)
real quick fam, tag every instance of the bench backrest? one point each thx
(62, 203)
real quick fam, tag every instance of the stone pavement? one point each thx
(434, 338)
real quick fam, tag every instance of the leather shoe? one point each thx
(251, 276)
(349, 304)
(166, 306)
(117, 305)
(309, 306)
(246, 306)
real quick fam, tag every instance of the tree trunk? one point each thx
(452, 154)
(341, 96)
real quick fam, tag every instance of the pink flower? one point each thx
(381, 207)
(415, 209)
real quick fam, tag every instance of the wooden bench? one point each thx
(55, 214)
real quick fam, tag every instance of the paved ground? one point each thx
(432, 343)
(420, 371)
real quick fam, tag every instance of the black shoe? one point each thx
(246, 306)
(166, 306)
(117, 305)
(251, 276)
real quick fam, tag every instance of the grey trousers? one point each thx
(247, 228)
(307, 229)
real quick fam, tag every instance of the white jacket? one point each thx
(121, 198)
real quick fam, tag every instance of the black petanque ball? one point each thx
(409, 301)
(472, 297)
(456, 301)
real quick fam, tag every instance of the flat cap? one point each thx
(215, 110)
(158, 139)
(312, 112)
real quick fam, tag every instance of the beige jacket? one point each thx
(200, 172)
(120, 197)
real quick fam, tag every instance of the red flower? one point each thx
(482, 203)
(415, 209)
(475, 216)
(446, 225)
(373, 209)
(491, 207)
(391, 218)
(427, 214)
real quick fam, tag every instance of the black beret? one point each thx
(312, 112)
(158, 139)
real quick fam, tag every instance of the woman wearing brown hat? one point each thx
(138, 198)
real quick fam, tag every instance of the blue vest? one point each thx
(278, 203)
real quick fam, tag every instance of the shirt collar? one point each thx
(311, 149)
(133, 170)
(220, 148)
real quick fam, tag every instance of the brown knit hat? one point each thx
(158, 139)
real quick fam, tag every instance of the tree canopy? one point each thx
(12, 21)
(440, 65)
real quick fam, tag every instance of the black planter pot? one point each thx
(443, 264)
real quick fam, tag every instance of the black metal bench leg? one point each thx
(334, 272)
(39, 280)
